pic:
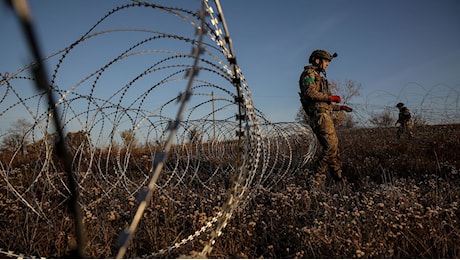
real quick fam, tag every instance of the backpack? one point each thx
(406, 114)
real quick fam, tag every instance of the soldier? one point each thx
(404, 120)
(317, 99)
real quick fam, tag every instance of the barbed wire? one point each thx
(103, 115)
(173, 120)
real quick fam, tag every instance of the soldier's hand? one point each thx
(346, 108)
(336, 99)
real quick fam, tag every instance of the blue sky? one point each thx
(397, 50)
(387, 46)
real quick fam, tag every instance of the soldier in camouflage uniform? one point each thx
(404, 121)
(317, 102)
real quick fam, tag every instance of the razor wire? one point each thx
(145, 139)
(62, 152)
(437, 104)
(160, 158)
(121, 142)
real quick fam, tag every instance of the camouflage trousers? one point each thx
(405, 128)
(329, 160)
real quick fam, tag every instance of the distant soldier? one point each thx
(404, 121)
(318, 103)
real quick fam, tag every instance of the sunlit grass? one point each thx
(401, 201)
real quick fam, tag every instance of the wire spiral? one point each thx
(175, 121)
(165, 121)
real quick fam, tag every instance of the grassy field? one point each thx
(401, 200)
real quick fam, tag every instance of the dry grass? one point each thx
(401, 201)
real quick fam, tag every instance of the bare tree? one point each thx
(194, 136)
(347, 90)
(78, 140)
(382, 119)
(418, 119)
(129, 138)
(18, 135)
(343, 119)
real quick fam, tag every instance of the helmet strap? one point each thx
(320, 66)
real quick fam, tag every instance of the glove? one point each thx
(336, 99)
(348, 109)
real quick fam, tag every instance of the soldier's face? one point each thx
(324, 64)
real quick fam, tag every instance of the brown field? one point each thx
(401, 201)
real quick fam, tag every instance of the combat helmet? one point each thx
(321, 54)
(399, 105)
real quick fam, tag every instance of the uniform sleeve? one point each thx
(311, 83)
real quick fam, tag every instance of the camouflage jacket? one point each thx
(404, 115)
(315, 92)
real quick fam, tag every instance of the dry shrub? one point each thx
(401, 201)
